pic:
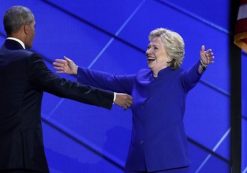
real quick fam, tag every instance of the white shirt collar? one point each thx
(18, 40)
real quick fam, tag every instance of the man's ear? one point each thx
(26, 29)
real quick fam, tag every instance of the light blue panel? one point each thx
(207, 10)
(244, 144)
(197, 156)
(62, 35)
(50, 102)
(108, 130)
(108, 15)
(207, 116)
(194, 32)
(225, 149)
(65, 155)
(120, 59)
(215, 165)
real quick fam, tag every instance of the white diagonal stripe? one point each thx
(245, 170)
(214, 149)
(116, 34)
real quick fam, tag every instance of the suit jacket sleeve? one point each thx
(190, 78)
(117, 83)
(45, 80)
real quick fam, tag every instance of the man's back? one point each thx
(24, 77)
(21, 143)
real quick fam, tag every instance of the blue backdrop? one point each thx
(112, 36)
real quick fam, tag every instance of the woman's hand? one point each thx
(207, 56)
(65, 65)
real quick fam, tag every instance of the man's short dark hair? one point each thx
(15, 17)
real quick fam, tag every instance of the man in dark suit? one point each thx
(23, 78)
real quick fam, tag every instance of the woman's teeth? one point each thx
(151, 59)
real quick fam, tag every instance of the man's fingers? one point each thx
(123, 100)
(126, 106)
(129, 99)
(128, 102)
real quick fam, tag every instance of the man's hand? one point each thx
(123, 100)
(65, 65)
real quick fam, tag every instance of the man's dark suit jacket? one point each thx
(23, 78)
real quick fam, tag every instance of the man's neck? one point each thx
(17, 40)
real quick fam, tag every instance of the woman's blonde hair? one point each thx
(174, 45)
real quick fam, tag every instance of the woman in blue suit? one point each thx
(158, 142)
